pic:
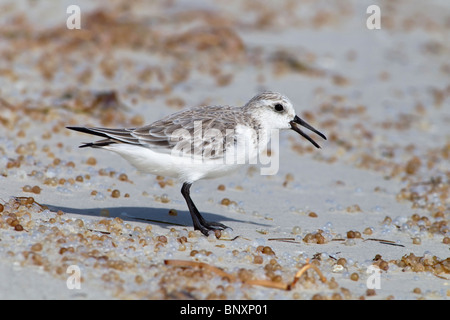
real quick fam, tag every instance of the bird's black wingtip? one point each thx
(80, 129)
(86, 145)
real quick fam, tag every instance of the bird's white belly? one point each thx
(185, 169)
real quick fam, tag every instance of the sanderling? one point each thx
(196, 143)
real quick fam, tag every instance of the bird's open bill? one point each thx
(301, 122)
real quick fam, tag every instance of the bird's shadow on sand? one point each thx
(159, 216)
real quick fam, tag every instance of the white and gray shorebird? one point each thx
(202, 142)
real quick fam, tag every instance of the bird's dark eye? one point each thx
(279, 107)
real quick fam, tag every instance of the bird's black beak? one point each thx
(301, 122)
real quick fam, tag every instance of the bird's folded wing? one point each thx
(205, 132)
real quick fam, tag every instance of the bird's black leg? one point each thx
(199, 222)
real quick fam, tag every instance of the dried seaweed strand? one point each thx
(303, 270)
(202, 265)
(281, 239)
(268, 284)
(258, 282)
(388, 242)
(288, 240)
(158, 221)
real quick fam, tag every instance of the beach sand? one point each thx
(368, 213)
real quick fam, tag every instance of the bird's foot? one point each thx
(207, 226)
